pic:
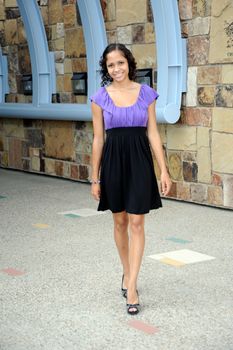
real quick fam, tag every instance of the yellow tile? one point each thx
(41, 225)
(172, 262)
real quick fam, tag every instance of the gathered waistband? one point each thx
(132, 130)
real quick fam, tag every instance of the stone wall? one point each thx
(199, 148)
(202, 140)
(59, 148)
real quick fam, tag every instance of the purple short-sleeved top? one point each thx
(134, 115)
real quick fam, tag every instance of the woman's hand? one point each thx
(95, 191)
(166, 183)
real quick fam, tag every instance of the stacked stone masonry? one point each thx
(198, 149)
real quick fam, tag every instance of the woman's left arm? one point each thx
(156, 145)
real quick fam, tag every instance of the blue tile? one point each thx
(178, 240)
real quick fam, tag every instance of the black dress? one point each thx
(128, 181)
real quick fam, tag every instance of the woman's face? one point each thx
(117, 66)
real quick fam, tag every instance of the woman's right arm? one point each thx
(97, 148)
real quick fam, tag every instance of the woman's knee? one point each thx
(137, 223)
(121, 221)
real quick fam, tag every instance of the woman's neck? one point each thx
(129, 84)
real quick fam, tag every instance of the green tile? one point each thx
(72, 216)
(2, 197)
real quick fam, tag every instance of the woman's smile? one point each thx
(118, 75)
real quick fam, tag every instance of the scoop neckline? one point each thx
(125, 106)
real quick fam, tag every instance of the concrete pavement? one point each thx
(60, 273)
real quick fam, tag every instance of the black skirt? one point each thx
(128, 181)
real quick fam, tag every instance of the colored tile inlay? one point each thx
(172, 262)
(2, 197)
(13, 272)
(41, 225)
(185, 256)
(178, 240)
(72, 215)
(83, 212)
(142, 326)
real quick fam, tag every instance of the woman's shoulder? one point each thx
(148, 93)
(98, 92)
(99, 96)
(148, 88)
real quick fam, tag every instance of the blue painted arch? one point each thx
(4, 87)
(43, 70)
(171, 53)
(171, 59)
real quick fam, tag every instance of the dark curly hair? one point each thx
(105, 78)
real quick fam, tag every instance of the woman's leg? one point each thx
(121, 221)
(136, 249)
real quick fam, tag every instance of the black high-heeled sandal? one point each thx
(136, 307)
(123, 290)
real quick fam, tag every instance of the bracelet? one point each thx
(95, 182)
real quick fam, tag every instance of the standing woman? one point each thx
(123, 177)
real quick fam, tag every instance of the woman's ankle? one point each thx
(132, 287)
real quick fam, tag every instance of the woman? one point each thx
(123, 178)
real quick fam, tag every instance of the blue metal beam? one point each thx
(95, 39)
(171, 59)
(42, 70)
(53, 111)
(4, 87)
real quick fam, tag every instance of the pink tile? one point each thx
(145, 327)
(13, 272)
